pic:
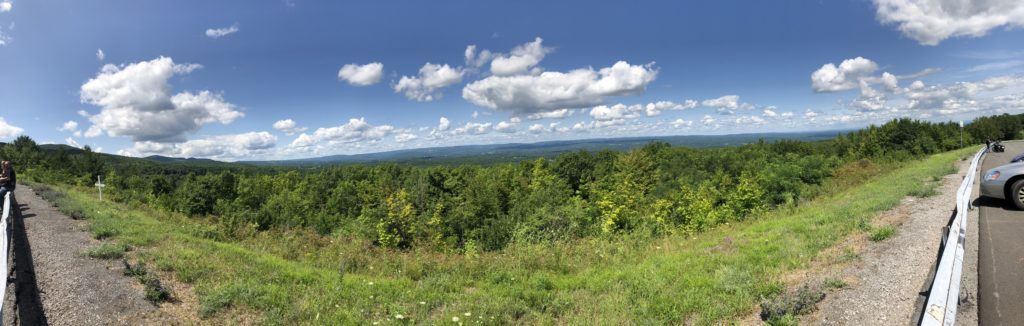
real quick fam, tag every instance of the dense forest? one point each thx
(656, 189)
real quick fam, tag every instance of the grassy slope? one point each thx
(289, 277)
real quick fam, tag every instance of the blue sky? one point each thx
(237, 80)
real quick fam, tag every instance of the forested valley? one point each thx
(656, 189)
(658, 234)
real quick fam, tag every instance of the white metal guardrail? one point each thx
(945, 291)
(5, 232)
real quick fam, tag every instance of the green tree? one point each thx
(398, 227)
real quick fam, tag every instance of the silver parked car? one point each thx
(1005, 182)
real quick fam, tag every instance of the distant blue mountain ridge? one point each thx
(495, 153)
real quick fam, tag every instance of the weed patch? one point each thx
(834, 283)
(926, 190)
(154, 290)
(781, 309)
(849, 254)
(75, 213)
(108, 251)
(48, 193)
(100, 232)
(883, 233)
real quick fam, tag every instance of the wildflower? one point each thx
(399, 317)
(455, 319)
(423, 303)
(468, 314)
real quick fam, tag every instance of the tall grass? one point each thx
(299, 277)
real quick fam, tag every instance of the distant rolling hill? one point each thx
(473, 154)
(118, 159)
(487, 154)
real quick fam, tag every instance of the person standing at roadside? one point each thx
(8, 179)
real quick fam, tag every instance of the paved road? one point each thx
(1000, 253)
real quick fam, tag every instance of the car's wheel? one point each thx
(1016, 194)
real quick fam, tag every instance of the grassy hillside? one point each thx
(297, 276)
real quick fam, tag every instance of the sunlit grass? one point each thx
(883, 233)
(290, 277)
(107, 251)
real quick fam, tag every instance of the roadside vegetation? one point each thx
(883, 233)
(654, 235)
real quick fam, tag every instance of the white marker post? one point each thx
(100, 185)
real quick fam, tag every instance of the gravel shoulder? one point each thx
(883, 285)
(68, 287)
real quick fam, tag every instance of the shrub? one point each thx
(155, 292)
(399, 226)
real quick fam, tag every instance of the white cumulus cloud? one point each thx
(477, 59)
(443, 124)
(70, 126)
(6, 6)
(4, 39)
(431, 80)
(680, 123)
(288, 126)
(548, 91)
(556, 114)
(136, 101)
(100, 55)
(362, 75)
(505, 127)
(72, 142)
(356, 130)
(655, 108)
(929, 22)
(221, 32)
(226, 147)
(615, 112)
(521, 59)
(7, 130)
(846, 76)
(473, 128)
(984, 95)
(727, 104)
(708, 121)
(405, 137)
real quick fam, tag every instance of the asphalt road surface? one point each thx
(1000, 253)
